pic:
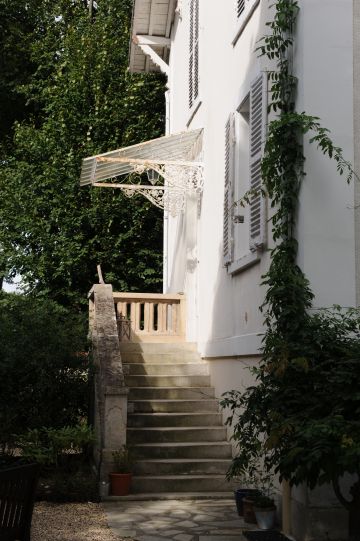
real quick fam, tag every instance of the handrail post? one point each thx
(110, 390)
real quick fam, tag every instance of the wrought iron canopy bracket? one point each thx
(181, 179)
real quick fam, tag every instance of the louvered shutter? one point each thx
(240, 7)
(229, 190)
(194, 52)
(258, 122)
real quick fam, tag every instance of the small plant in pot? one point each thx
(243, 493)
(252, 474)
(120, 478)
(265, 511)
(246, 494)
(248, 507)
(244, 497)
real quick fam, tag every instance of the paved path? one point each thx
(176, 520)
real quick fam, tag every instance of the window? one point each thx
(194, 52)
(245, 133)
(229, 189)
(258, 117)
(240, 7)
(243, 10)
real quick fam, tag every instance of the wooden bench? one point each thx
(17, 496)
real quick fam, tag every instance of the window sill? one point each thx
(248, 260)
(244, 22)
(194, 109)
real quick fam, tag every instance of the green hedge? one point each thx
(44, 366)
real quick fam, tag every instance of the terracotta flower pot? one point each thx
(248, 509)
(120, 483)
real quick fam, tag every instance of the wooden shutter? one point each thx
(258, 122)
(228, 247)
(240, 7)
(194, 52)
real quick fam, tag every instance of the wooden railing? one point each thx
(150, 317)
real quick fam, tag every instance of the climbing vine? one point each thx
(301, 418)
(288, 294)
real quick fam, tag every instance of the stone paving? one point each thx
(176, 520)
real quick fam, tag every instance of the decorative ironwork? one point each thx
(180, 180)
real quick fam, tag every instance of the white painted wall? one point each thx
(223, 310)
(326, 218)
(356, 47)
(223, 314)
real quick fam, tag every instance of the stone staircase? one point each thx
(174, 424)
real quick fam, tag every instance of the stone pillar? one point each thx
(110, 391)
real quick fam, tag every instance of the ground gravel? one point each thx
(70, 522)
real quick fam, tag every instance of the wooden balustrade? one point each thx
(150, 317)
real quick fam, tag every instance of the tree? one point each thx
(43, 366)
(302, 417)
(18, 21)
(86, 103)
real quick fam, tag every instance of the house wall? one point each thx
(223, 309)
(223, 314)
(356, 49)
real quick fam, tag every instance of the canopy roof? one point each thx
(180, 148)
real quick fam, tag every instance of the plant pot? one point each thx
(120, 483)
(248, 508)
(239, 495)
(265, 517)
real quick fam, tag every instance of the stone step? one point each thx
(173, 406)
(192, 450)
(182, 466)
(160, 358)
(187, 369)
(176, 434)
(171, 393)
(167, 381)
(227, 497)
(142, 420)
(180, 483)
(155, 348)
(174, 424)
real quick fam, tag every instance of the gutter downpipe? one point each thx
(166, 214)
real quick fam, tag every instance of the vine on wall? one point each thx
(288, 294)
(301, 419)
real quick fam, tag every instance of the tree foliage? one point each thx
(82, 101)
(17, 24)
(43, 366)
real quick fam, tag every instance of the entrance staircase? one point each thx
(174, 424)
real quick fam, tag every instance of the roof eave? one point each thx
(149, 18)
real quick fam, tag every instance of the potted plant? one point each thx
(246, 474)
(120, 478)
(265, 511)
(253, 475)
(248, 507)
(240, 494)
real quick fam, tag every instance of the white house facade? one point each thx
(216, 251)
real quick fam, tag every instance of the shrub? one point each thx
(65, 447)
(43, 370)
